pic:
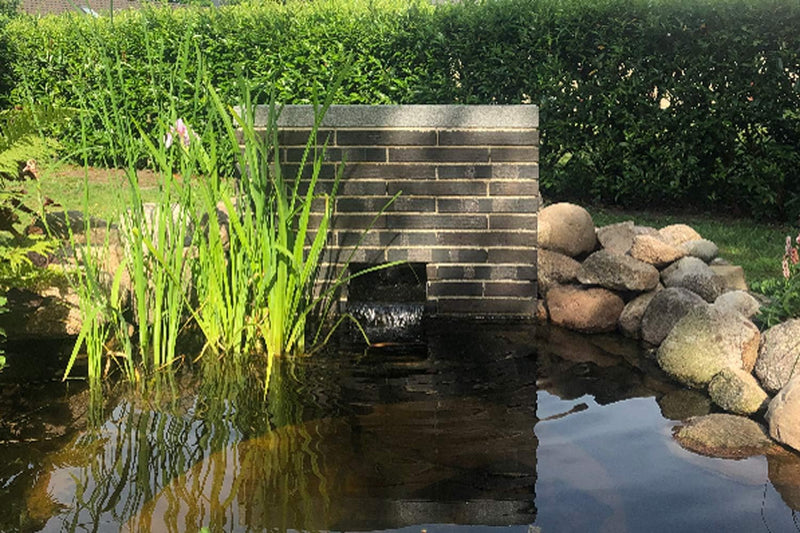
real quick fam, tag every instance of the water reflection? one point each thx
(496, 425)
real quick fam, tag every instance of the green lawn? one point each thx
(756, 246)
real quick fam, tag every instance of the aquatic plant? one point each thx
(784, 292)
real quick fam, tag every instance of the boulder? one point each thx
(566, 228)
(783, 470)
(53, 313)
(617, 272)
(651, 249)
(702, 249)
(677, 234)
(665, 309)
(779, 355)
(730, 276)
(704, 342)
(783, 415)
(737, 392)
(590, 310)
(693, 274)
(739, 301)
(723, 435)
(630, 320)
(554, 268)
(616, 238)
(541, 311)
(645, 230)
(681, 404)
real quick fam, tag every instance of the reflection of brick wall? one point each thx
(44, 7)
(469, 182)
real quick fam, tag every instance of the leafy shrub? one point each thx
(784, 293)
(690, 103)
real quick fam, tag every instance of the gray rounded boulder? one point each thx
(704, 342)
(664, 311)
(779, 355)
(630, 321)
(739, 301)
(566, 228)
(693, 274)
(554, 268)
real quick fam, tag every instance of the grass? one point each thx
(756, 246)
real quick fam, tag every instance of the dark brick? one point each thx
(522, 289)
(487, 307)
(486, 272)
(464, 172)
(489, 138)
(292, 137)
(372, 204)
(487, 205)
(435, 221)
(455, 155)
(515, 155)
(503, 221)
(390, 171)
(437, 188)
(386, 137)
(454, 288)
(386, 238)
(512, 255)
(485, 238)
(337, 154)
(327, 172)
(515, 172)
(459, 255)
(360, 222)
(362, 188)
(513, 188)
(422, 255)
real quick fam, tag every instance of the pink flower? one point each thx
(786, 272)
(788, 244)
(794, 256)
(797, 240)
(180, 130)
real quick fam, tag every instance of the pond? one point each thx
(510, 427)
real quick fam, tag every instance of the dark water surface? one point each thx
(485, 428)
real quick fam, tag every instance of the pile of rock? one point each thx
(668, 288)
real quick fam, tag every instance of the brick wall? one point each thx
(469, 182)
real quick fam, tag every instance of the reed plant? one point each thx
(234, 257)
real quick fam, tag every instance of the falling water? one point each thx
(389, 322)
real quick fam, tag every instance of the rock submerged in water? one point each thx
(566, 228)
(704, 342)
(737, 392)
(723, 435)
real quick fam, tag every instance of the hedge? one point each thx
(676, 103)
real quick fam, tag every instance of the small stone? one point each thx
(617, 272)
(616, 238)
(630, 321)
(566, 228)
(590, 310)
(677, 234)
(738, 301)
(702, 249)
(737, 392)
(730, 276)
(652, 250)
(693, 274)
(554, 268)
(723, 435)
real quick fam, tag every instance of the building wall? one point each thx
(468, 178)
